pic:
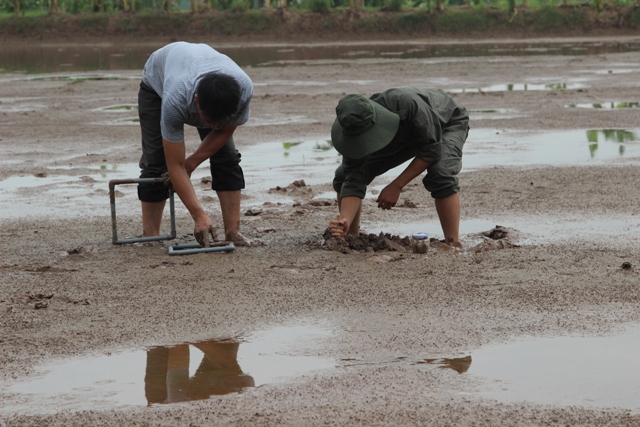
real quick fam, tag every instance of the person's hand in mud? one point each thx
(389, 196)
(339, 227)
(202, 230)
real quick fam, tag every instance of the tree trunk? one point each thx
(16, 7)
(194, 5)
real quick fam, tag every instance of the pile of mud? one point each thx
(497, 238)
(366, 242)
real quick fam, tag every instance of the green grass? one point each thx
(37, 12)
(634, 17)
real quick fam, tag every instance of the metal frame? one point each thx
(112, 198)
(196, 248)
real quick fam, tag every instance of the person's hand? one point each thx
(202, 230)
(389, 196)
(189, 166)
(167, 182)
(339, 227)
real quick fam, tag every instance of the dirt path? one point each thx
(575, 269)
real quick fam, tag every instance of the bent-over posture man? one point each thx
(192, 84)
(384, 131)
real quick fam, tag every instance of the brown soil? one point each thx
(66, 291)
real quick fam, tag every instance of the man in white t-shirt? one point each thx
(192, 84)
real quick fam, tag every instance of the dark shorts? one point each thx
(441, 179)
(226, 172)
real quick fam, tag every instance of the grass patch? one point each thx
(634, 17)
(29, 25)
(413, 22)
(239, 23)
(469, 21)
(94, 24)
(156, 23)
(551, 18)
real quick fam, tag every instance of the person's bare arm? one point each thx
(213, 142)
(181, 182)
(391, 193)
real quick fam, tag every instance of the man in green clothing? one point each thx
(377, 134)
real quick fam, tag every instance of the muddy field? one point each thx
(387, 323)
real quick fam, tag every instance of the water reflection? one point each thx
(549, 148)
(323, 146)
(72, 78)
(491, 111)
(170, 374)
(47, 59)
(510, 87)
(606, 105)
(460, 364)
(320, 146)
(612, 135)
(167, 378)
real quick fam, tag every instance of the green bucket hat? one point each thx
(362, 126)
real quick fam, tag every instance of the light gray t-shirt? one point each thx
(174, 72)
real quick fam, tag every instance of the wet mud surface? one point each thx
(550, 250)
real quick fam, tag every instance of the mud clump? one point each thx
(497, 238)
(296, 188)
(366, 242)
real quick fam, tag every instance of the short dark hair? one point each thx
(218, 96)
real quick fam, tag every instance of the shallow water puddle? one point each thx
(586, 371)
(612, 105)
(118, 108)
(80, 78)
(492, 111)
(35, 58)
(458, 364)
(520, 87)
(492, 114)
(171, 374)
(486, 147)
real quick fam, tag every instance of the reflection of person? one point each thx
(167, 376)
(192, 84)
(459, 364)
(380, 133)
